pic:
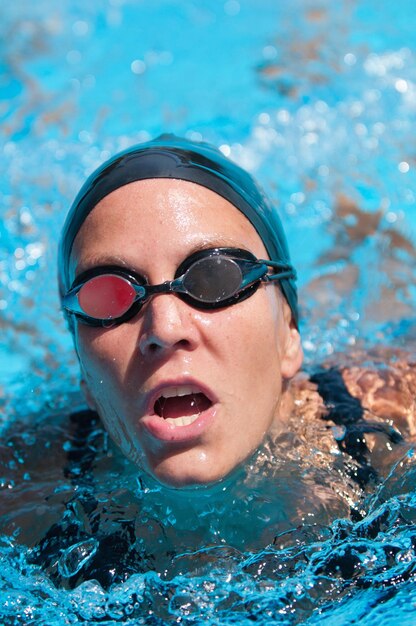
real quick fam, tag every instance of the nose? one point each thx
(168, 324)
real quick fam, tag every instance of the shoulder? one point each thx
(378, 385)
(361, 404)
(386, 388)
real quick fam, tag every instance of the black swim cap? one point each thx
(172, 157)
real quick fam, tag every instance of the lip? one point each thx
(162, 430)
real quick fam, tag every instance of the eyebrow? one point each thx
(100, 261)
(217, 242)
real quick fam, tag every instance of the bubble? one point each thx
(14, 285)
(356, 109)
(73, 57)
(321, 107)
(264, 118)
(372, 95)
(84, 136)
(409, 197)
(138, 67)
(25, 217)
(80, 28)
(308, 345)
(225, 149)
(403, 167)
(269, 53)
(350, 59)
(391, 217)
(283, 116)
(361, 130)
(379, 128)
(311, 138)
(193, 135)
(298, 197)
(401, 85)
(374, 65)
(35, 250)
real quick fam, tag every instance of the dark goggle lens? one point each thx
(106, 297)
(213, 279)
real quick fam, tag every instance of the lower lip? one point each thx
(164, 431)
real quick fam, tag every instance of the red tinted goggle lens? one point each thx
(106, 297)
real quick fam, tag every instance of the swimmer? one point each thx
(178, 288)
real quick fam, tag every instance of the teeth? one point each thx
(179, 391)
(182, 421)
(173, 392)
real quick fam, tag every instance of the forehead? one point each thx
(161, 216)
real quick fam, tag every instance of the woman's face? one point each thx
(185, 393)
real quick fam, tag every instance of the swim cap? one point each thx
(172, 157)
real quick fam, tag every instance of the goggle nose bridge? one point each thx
(168, 286)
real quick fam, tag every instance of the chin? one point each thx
(189, 476)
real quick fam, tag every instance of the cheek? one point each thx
(104, 363)
(103, 355)
(264, 333)
(254, 336)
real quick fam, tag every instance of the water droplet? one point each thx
(75, 557)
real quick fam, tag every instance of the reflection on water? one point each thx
(318, 100)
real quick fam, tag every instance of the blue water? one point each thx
(318, 100)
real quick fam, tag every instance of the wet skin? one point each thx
(238, 356)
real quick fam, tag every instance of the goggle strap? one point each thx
(289, 274)
(278, 264)
(70, 301)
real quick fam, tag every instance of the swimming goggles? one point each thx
(208, 279)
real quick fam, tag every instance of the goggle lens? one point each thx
(106, 297)
(213, 279)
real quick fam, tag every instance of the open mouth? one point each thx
(180, 406)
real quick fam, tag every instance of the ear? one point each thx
(292, 354)
(88, 395)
